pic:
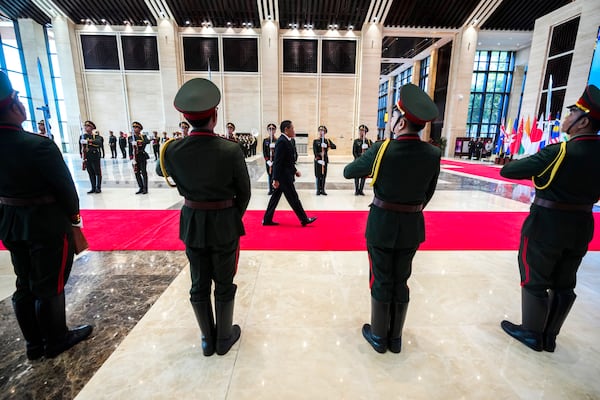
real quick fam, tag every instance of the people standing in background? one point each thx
(230, 135)
(123, 143)
(321, 148)
(101, 143)
(140, 157)
(212, 176)
(556, 234)
(39, 211)
(155, 144)
(268, 153)
(185, 128)
(112, 143)
(284, 173)
(164, 138)
(91, 144)
(360, 145)
(405, 174)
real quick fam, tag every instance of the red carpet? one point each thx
(486, 171)
(109, 230)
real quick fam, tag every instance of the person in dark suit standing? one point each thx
(560, 225)
(321, 147)
(112, 143)
(403, 183)
(123, 143)
(139, 157)
(38, 214)
(284, 171)
(359, 146)
(91, 144)
(269, 153)
(211, 174)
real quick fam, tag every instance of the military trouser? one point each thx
(389, 270)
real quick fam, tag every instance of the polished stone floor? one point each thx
(301, 315)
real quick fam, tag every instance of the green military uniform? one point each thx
(211, 173)
(140, 157)
(38, 205)
(560, 225)
(359, 146)
(321, 148)
(404, 183)
(92, 144)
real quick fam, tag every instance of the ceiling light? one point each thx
(126, 23)
(147, 22)
(103, 20)
(269, 17)
(350, 27)
(187, 22)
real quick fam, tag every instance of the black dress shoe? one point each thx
(92, 191)
(98, 191)
(318, 193)
(140, 191)
(309, 221)
(323, 193)
(270, 223)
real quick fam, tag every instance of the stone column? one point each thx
(370, 64)
(269, 81)
(171, 80)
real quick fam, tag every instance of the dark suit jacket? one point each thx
(408, 175)
(209, 168)
(284, 161)
(577, 181)
(32, 166)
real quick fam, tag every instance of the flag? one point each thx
(510, 137)
(555, 134)
(515, 146)
(525, 142)
(547, 128)
(537, 129)
(500, 144)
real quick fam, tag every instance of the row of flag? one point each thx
(526, 137)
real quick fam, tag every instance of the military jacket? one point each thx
(320, 152)
(92, 148)
(33, 167)
(577, 181)
(408, 174)
(207, 167)
(357, 149)
(267, 149)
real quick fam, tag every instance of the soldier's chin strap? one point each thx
(162, 162)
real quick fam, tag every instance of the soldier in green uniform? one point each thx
(38, 208)
(91, 144)
(211, 173)
(560, 225)
(321, 148)
(405, 172)
(269, 154)
(139, 157)
(359, 147)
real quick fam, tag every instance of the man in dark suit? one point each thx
(211, 173)
(403, 184)
(556, 234)
(38, 214)
(284, 172)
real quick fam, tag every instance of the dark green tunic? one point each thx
(553, 242)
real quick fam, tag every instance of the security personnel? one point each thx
(403, 183)
(321, 148)
(231, 132)
(359, 146)
(112, 143)
(212, 176)
(560, 225)
(38, 208)
(269, 153)
(91, 144)
(140, 157)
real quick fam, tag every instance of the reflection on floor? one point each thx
(301, 315)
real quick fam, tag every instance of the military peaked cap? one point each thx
(416, 105)
(231, 125)
(184, 123)
(90, 123)
(197, 98)
(136, 124)
(323, 127)
(364, 128)
(589, 102)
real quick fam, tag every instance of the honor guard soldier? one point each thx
(230, 135)
(39, 212)
(403, 184)
(211, 174)
(90, 146)
(560, 225)
(321, 148)
(359, 146)
(123, 143)
(112, 143)
(140, 157)
(185, 128)
(269, 152)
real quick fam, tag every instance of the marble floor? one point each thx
(301, 314)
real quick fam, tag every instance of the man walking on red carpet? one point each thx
(211, 173)
(405, 172)
(284, 171)
(556, 234)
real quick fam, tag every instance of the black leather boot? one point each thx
(376, 332)
(99, 184)
(25, 313)
(397, 318)
(206, 321)
(533, 314)
(560, 306)
(323, 186)
(51, 318)
(227, 334)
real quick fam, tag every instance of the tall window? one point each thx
(382, 109)
(57, 93)
(11, 61)
(490, 90)
(424, 75)
(402, 79)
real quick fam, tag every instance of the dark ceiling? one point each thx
(511, 15)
